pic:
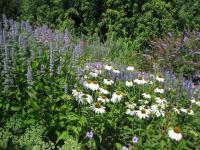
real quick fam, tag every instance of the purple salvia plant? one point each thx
(51, 57)
(29, 74)
(5, 22)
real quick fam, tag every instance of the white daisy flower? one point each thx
(175, 134)
(130, 105)
(143, 113)
(146, 96)
(158, 110)
(103, 99)
(77, 93)
(187, 111)
(86, 77)
(98, 108)
(130, 68)
(86, 83)
(129, 83)
(193, 101)
(143, 101)
(93, 74)
(197, 103)
(151, 82)
(93, 85)
(103, 91)
(85, 99)
(176, 110)
(116, 97)
(159, 79)
(116, 71)
(160, 100)
(98, 71)
(140, 80)
(108, 67)
(108, 81)
(158, 90)
(130, 111)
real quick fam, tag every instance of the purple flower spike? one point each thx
(124, 148)
(90, 134)
(135, 140)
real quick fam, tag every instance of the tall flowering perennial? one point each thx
(51, 58)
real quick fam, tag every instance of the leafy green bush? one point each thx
(132, 20)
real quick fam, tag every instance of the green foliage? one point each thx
(70, 144)
(135, 20)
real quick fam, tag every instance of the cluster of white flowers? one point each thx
(92, 85)
(152, 105)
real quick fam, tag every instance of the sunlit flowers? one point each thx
(98, 108)
(175, 134)
(85, 99)
(77, 93)
(116, 71)
(129, 83)
(176, 110)
(158, 90)
(116, 97)
(146, 96)
(160, 100)
(130, 68)
(187, 111)
(103, 99)
(93, 74)
(160, 79)
(130, 111)
(140, 80)
(158, 110)
(108, 81)
(143, 113)
(92, 85)
(108, 67)
(104, 91)
(130, 105)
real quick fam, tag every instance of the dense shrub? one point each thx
(137, 20)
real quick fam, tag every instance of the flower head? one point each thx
(175, 134)
(98, 108)
(90, 134)
(124, 148)
(135, 140)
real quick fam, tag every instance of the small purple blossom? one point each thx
(90, 134)
(124, 148)
(135, 140)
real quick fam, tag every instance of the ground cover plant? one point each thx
(56, 94)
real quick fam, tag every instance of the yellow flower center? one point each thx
(98, 104)
(161, 97)
(188, 110)
(84, 96)
(143, 111)
(131, 65)
(104, 97)
(129, 80)
(118, 93)
(94, 82)
(89, 81)
(177, 130)
(140, 77)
